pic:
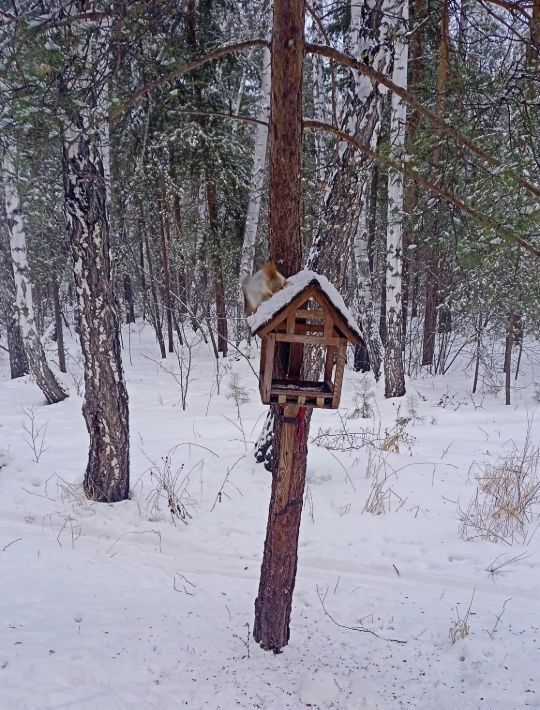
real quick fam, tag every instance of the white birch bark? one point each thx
(37, 362)
(319, 94)
(105, 406)
(366, 305)
(394, 376)
(257, 174)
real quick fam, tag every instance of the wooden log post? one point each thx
(291, 423)
(278, 572)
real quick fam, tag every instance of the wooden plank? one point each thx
(266, 382)
(328, 325)
(291, 323)
(340, 367)
(308, 339)
(286, 457)
(308, 394)
(319, 314)
(300, 328)
(301, 400)
(320, 402)
(282, 399)
(329, 364)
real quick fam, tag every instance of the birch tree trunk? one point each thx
(18, 364)
(394, 376)
(256, 182)
(366, 307)
(347, 202)
(105, 406)
(319, 94)
(372, 26)
(35, 354)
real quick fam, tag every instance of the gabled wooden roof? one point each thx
(304, 285)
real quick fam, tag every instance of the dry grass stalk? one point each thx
(507, 492)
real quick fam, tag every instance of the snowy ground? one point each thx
(117, 607)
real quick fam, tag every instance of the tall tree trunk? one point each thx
(366, 308)
(217, 267)
(177, 216)
(128, 298)
(433, 257)
(319, 95)
(35, 354)
(58, 326)
(154, 309)
(18, 364)
(394, 375)
(278, 571)
(430, 308)
(105, 406)
(256, 183)
(411, 190)
(372, 27)
(164, 238)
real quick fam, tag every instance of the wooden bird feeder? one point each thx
(307, 312)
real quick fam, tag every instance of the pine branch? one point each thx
(436, 120)
(412, 174)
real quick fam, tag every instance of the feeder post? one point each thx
(291, 423)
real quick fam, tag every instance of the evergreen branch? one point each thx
(436, 120)
(190, 66)
(411, 173)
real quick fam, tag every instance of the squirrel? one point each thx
(262, 285)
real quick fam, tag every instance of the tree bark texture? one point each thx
(105, 406)
(18, 364)
(373, 25)
(33, 347)
(128, 298)
(394, 375)
(217, 267)
(366, 306)
(167, 294)
(433, 257)
(291, 424)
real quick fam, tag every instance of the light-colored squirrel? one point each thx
(262, 285)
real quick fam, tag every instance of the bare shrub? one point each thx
(382, 497)
(502, 508)
(397, 437)
(35, 434)
(170, 485)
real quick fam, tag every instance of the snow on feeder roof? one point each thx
(297, 285)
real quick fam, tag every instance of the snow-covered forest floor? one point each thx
(126, 606)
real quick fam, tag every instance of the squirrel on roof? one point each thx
(262, 285)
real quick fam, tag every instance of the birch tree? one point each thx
(33, 347)
(346, 208)
(18, 363)
(105, 406)
(257, 177)
(394, 376)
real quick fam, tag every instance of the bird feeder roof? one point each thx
(273, 311)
